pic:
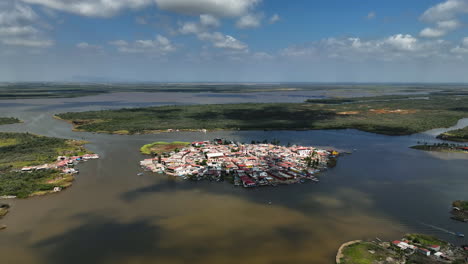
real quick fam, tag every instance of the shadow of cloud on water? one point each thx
(99, 240)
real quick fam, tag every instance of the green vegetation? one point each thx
(458, 135)
(441, 147)
(367, 253)
(162, 147)
(400, 116)
(460, 211)
(425, 240)
(9, 120)
(24, 149)
(25, 184)
(463, 205)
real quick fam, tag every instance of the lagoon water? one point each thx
(111, 215)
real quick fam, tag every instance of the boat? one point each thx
(460, 235)
(140, 174)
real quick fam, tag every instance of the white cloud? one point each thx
(443, 15)
(209, 20)
(396, 47)
(445, 11)
(218, 8)
(28, 42)
(249, 21)
(449, 24)
(402, 42)
(274, 18)
(219, 40)
(461, 49)
(191, 28)
(18, 26)
(95, 8)
(86, 45)
(371, 15)
(432, 33)
(158, 46)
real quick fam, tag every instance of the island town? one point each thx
(247, 165)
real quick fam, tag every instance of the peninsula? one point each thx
(9, 120)
(413, 248)
(458, 135)
(247, 165)
(389, 115)
(460, 211)
(35, 165)
(442, 147)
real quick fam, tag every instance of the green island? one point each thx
(9, 120)
(19, 150)
(389, 115)
(413, 248)
(158, 148)
(458, 135)
(441, 147)
(460, 211)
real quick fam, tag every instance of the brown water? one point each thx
(111, 215)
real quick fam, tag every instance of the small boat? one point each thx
(460, 235)
(140, 174)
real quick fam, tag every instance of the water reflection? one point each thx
(111, 215)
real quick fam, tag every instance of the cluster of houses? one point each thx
(434, 251)
(248, 165)
(63, 164)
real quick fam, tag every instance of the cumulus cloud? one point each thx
(274, 18)
(202, 30)
(18, 26)
(249, 21)
(395, 47)
(220, 40)
(224, 8)
(87, 46)
(445, 11)
(371, 15)
(209, 20)
(95, 8)
(462, 48)
(158, 46)
(444, 16)
(432, 33)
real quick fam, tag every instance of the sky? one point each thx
(234, 40)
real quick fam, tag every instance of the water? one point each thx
(111, 215)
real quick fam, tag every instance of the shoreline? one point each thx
(340, 255)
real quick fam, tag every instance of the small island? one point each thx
(412, 248)
(460, 211)
(36, 165)
(247, 165)
(9, 120)
(458, 135)
(442, 147)
(158, 148)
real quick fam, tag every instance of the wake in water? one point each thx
(439, 228)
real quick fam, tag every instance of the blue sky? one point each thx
(234, 40)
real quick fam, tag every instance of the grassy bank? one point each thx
(401, 115)
(161, 147)
(366, 253)
(23, 149)
(440, 147)
(461, 213)
(458, 135)
(9, 120)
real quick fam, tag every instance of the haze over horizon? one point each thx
(234, 41)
